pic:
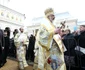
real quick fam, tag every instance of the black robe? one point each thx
(1, 45)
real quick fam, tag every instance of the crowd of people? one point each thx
(58, 48)
(53, 48)
(9, 48)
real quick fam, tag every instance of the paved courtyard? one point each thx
(12, 65)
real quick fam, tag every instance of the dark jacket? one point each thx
(1, 40)
(81, 39)
(69, 42)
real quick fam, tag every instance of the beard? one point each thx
(21, 31)
(53, 18)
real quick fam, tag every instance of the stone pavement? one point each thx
(12, 65)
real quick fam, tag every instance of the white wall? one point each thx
(6, 24)
(10, 18)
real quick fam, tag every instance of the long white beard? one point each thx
(54, 23)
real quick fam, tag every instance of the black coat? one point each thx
(1, 41)
(81, 43)
(69, 42)
(81, 39)
(7, 43)
(6, 49)
(71, 55)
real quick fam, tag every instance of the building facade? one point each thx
(10, 18)
(64, 17)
